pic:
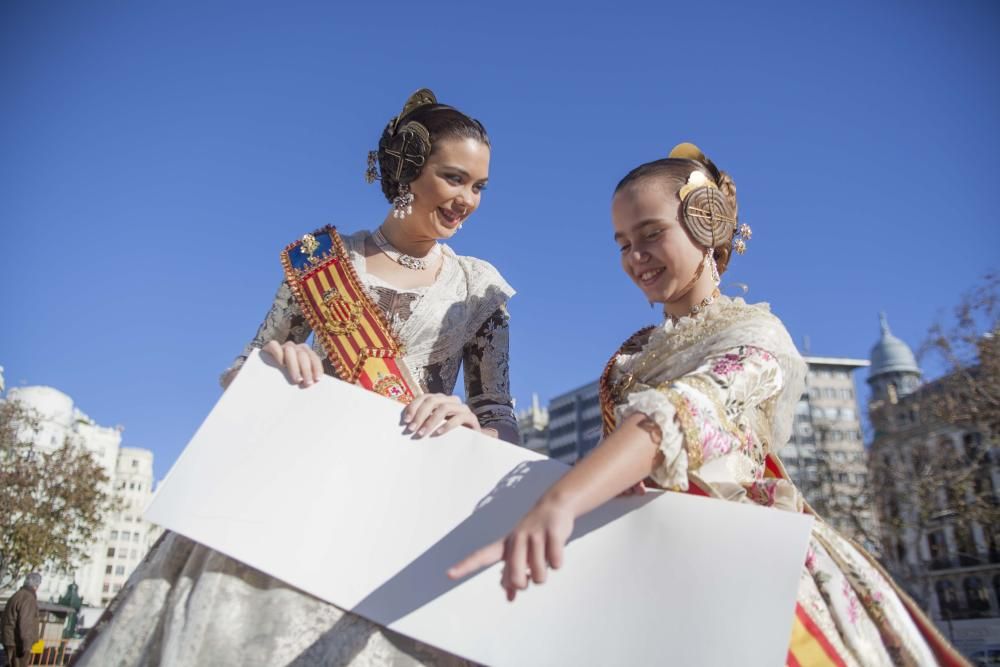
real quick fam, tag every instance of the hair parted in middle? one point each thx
(409, 139)
(707, 203)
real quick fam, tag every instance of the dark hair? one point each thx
(441, 122)
(675, 172)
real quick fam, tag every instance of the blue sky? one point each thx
(155, 157)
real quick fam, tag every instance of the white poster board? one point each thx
(319, 488)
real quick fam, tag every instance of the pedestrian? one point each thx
(20, 622)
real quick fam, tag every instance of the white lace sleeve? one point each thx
(487, 291)
(701, 415)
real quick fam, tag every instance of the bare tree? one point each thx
(53, 502)
(933, 477)
(969, 347)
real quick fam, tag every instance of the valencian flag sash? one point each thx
(808, 646)
(350, 327)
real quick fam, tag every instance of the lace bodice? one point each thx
(460, 319)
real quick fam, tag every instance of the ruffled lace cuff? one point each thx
(671, 472)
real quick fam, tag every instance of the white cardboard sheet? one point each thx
(319, 488)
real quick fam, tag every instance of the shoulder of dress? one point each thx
(767, 331)
(481, 276)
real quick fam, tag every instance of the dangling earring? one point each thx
(402, 203)
(371, 173)
(710, 256)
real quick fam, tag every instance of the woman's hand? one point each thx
(535, 544)
(436, 414)
(303, 365)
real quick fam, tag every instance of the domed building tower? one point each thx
(894, 372)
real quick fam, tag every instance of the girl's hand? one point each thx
(436, 414)
(639, 489)
(535, 544)
(303, 365)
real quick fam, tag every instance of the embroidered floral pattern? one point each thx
(719, 419)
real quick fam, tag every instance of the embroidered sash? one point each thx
(350, 327)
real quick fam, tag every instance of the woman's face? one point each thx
(657, 252)
(450, 185)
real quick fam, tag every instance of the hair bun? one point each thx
(421, 98)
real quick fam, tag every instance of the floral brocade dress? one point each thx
(722, 387)
(189, 605)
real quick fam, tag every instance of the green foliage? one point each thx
(53, 501)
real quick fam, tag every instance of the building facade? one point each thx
(825, 455)
(574, 423)
(533, 425)
(936, 483)
(130, 477)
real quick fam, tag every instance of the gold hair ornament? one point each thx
(706, 212)
(405, 145)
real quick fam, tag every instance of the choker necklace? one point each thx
(410, 262)
(696, 308)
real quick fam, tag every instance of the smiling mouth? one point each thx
(449, 217)
(647, 278)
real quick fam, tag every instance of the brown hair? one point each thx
(674, 172)
(441, 122)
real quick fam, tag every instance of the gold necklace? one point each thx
(696, 308)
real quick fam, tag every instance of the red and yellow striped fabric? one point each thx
(349, 326)
(808, 647)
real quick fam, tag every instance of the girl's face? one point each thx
(657, 252)
(450, 186)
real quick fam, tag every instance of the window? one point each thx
(976, 594)
(107, 570)
(116, 588)
(135, 537)
(847, 413)
(114, 534)
(122, 553)
(106, 587)
(947, 598)
(120, 570)
(125, 536)
(972, 442)
(111, 552)
(135, 463)
(135, 554)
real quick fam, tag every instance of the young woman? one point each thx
(698, 404)
(392, 309)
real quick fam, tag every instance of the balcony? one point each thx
(963, 612)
